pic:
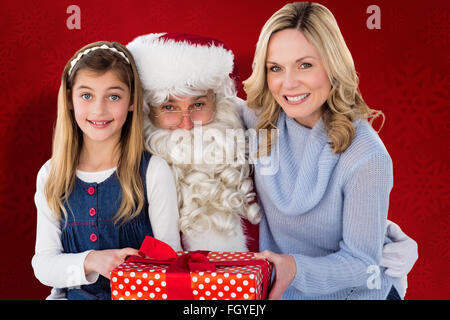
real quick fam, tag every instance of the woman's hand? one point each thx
(285, 271)
(104, 261)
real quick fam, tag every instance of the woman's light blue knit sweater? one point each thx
(328, 211)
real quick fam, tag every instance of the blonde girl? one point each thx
(101, 192)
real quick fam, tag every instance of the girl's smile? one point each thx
(99, 124)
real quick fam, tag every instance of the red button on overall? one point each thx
(91, 190)
(92, 212)
(93, 237)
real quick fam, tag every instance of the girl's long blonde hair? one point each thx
(344, 104)
(68, 138)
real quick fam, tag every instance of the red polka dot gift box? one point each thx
(197, 275)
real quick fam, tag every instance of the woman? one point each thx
(326, 205)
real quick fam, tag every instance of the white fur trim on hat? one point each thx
(166, 64)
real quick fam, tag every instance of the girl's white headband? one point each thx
(81, 54)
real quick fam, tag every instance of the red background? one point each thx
(403, 71)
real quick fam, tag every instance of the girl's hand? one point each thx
(104, 261)
(285, 271)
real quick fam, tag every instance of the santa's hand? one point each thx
(399, 256)
(285, 271)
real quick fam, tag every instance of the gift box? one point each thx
(183, 275)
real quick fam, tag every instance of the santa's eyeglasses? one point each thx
(173, 116)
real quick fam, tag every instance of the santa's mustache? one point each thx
(221, 142)
(205, 145)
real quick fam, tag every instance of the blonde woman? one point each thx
(326, 205)
(101, 193)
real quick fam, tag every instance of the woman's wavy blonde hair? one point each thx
(68, 137)
(344, 104)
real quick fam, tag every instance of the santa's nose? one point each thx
(186, 123)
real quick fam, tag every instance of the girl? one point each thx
(326, 205)
(100, 193)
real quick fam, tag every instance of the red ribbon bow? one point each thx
(156, 249)
(178, 280)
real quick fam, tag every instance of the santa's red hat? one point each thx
(175, 63)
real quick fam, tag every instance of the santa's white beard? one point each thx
(212, 178)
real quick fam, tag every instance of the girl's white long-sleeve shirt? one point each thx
(57, 269)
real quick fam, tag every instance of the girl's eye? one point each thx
(275, 69)
(86, 96)
(114, 97)
(305, 65)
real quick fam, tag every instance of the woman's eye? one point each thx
(275, 69)
(114, 97)
(86, 96)
(305, 65)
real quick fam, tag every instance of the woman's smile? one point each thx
(296, 99)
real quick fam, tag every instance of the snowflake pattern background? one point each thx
(403, 70)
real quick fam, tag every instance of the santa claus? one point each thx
(192, 121)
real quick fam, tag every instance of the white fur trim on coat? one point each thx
(164, 64)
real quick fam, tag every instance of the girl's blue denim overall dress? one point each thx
(90, 226)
